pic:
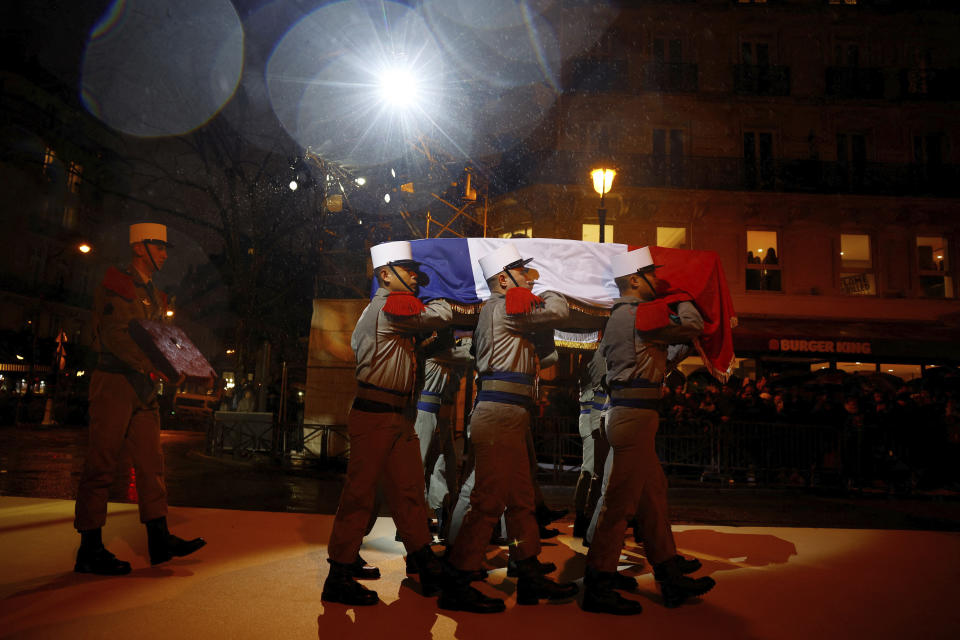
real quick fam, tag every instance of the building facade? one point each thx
(811, 143)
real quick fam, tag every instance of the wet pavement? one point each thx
(47, 462)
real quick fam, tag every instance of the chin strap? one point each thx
(521, 300)
(403, 303)
(652, 289)
(150, 255)
(402, 281)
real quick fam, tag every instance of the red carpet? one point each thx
(261, 574)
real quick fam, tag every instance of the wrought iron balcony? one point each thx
(689, 172)
(854, 82)
(760, 80)
(670, 76)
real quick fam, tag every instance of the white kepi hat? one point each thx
(397, 253)
(503, 258)
(391, 253)
(636, 261)
(148, 232)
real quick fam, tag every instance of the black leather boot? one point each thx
(687, 565)
(623, 583)
(458, 595)
(599, 595)
(363, 571)
(93, 557)
(580, 524)
(675, 587)
(532, 586)
(340, 586)
(163, 545)
(513, 572)
(546, 515)
(430, 569)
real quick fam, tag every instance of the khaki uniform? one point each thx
(123, 404)
(441, 382)
(506, 351)
(636, 363)
(384, 449)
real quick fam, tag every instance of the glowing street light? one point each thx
(84, 248)
(293, 185)
(602, 183)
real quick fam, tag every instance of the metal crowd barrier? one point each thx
(243, 434)
(759, 452)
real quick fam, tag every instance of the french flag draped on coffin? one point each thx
(581, 272)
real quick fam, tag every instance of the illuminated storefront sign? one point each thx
(787, 345)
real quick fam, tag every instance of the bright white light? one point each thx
(361, 181)
(393, 173)
(84, 248)
(19, 357)
(169, 313)
(293, 185)
(81, 373)
(386, 197)
(398, 87)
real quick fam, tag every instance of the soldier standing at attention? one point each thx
(124, 412)
(642, 328)
(505, 342)
(384, 449)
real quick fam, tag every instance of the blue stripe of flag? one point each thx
(447, 262)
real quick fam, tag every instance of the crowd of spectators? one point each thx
(877, 430)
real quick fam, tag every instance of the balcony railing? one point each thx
(597, 75)
(689, 172)
(670, 76)
(930, 84)
(759, 80)
(853, 82)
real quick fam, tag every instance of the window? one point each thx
(852, 159)
(600, 137)
(666, 70)
(751, 1)
(934, 267)
(49, 157)
(856, 265)
(74, 177)
(523, 232)
(668, 157)
(763, 261)
(672, 237)
(591, 232)
(848, 2)
(758, 159)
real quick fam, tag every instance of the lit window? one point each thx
(763, 261)
(523, 232)
(49, 157)
(934, 267)
(856, 265)
(74, 177)
(672, 237)
(591, 233)
(850, 2)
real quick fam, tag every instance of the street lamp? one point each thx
(602, 183)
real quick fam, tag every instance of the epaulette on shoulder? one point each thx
(404, 304)
(120, 283)
(520, 301)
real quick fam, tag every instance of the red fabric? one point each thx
(403, 303)
(120, 283)
(520, 301)
(699, 274)
(656, 313)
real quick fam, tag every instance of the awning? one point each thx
(838, 340)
